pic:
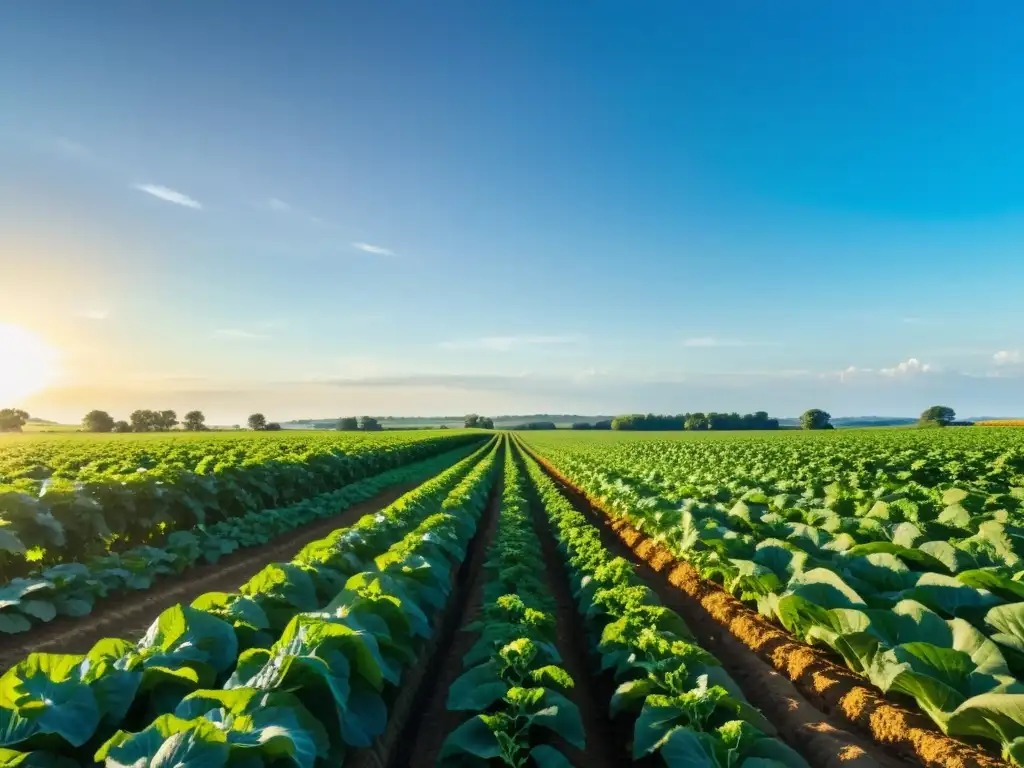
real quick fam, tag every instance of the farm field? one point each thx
(538, 599)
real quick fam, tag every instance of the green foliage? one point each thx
(937, 416)
(257, 422)
(686, 708)
(348, 424)
(98, 421)
(40, 534)
(208, 684)
(194, 421)
(153, 421)
(815, 418)
(899, 550)
(12, 419)
(513, 680)
(695, 422)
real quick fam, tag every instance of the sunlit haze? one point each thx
(321, 208)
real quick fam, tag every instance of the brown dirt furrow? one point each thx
(129, 614)
(823, 694)
(418, 717)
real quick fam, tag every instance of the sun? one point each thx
(30, 364)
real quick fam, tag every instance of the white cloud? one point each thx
(276, 204)
(169, 195)
(376, 250)
(506, 343)
(910, 367)
(1008, 357)
(95, 314)
(237, 333)
(852, 371)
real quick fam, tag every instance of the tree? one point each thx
(166, 421)
(485, 423)
(938, 416)
(816, 418)
(695, 422)
(348, 424)
(122, 426)
(143, 420)
(195, 421)
(12, 419)
(98, 421)
(369, 424)
(273, 427)
(472, 421)
(257, 422)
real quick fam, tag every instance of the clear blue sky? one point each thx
(425, 207)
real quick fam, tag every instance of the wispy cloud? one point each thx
(169, 195)
(376, 250)
(279, 205)
(506, 343)
(94, 314)
(712, 341)
(1008, 357)
(238, 333)
(852, 371)
(911, 367)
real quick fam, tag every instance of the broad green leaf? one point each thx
(47, 696)
(683, 749)
(546, 756)
(474, 737)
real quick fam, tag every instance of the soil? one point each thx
(814, 708)
(129, 614)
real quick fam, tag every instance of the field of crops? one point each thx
(551, 599)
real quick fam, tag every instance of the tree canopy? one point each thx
(194, 421)
(153, 421)
(348, 424)
(257, 422)
(369, 424)
(694, 421)
(12, 419)
(938, 416)
(98, 421)
(815, 418)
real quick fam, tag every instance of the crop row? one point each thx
(513, 684)
(917, 587)
(96, 509)
(685, 707)
(294, 667)
(73, 589)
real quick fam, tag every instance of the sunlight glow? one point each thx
(30, 364)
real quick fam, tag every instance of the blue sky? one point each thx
(409, 207)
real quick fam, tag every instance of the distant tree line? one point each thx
(535, 425)
(605, 424)
(144, 421)
(472, 421)
(695, 422)
(362, 424)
